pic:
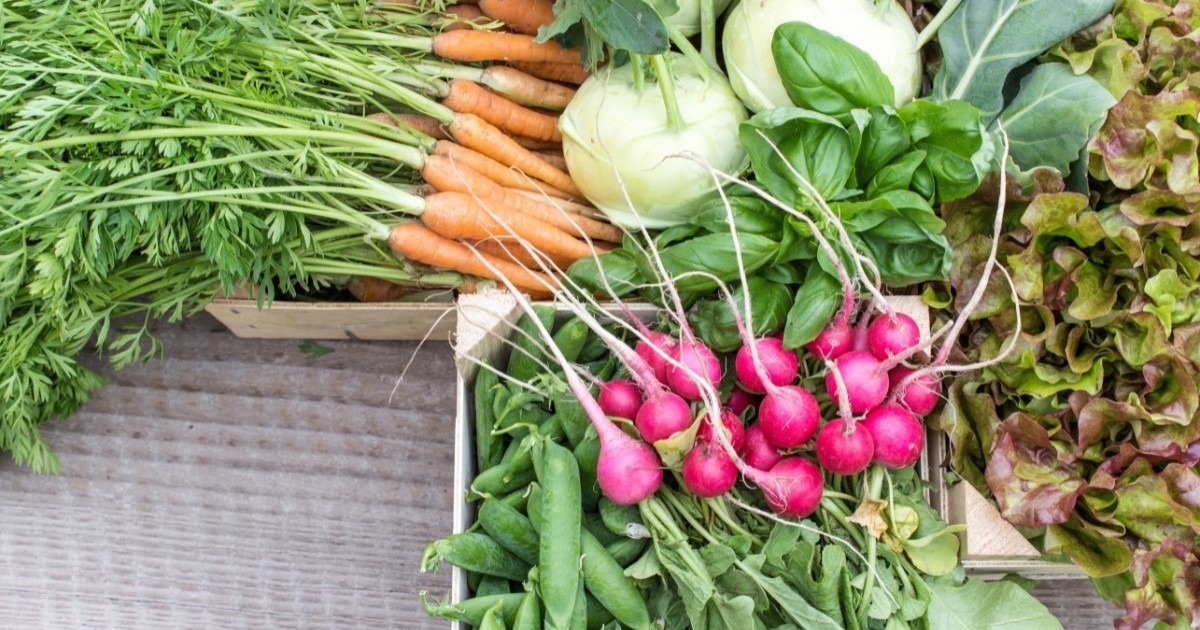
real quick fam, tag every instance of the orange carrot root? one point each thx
(522, 16)
(475, 133)
(465, 17)
(512, 250)
(495, 46)
(371, 289)
(537, 145)
(527, 89)
(497, 172)
(573, 73)
(553, 158)
(423, 124)
(467, 97)
(460, 216)
(420, 244)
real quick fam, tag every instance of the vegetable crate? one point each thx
(383, 321)
(990, 548)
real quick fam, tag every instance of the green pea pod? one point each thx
(472, 611)
(491, 585)
(607, 582)
(493, 619)
(523, 363)
(571, 338)
(533, 507)
(594, 349)
(618, 517)
(587, 454)
(571, 417)
(475, 552)
(558, 559)
(517, 499)
(474, 580)
(511, 529)
(488, 447)
(497, 481)
(597, 614)
(529, 615)
(523, 457)
(594, 524)
(626, 551)
(579, 612)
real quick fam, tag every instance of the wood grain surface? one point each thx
(241, 484)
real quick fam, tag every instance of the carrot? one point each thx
(446, 176)
(466, 97)
(473, 132)
(525, 88)
(494, 46)
(372, 289)
(573, 73)
(463, 16)
(496, 171)
(460, 216)
(420, 244)
(421, 123)
(510, 249)
(553, 158)
(537, 145)
(522, 16)
(565, 205)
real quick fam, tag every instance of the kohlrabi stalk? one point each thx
(931, 29)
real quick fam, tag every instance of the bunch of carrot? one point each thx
(494, 163)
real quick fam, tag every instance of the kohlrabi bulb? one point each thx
(617, 140)
(687, 19)
(883, 31)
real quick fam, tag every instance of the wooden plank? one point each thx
(328, 320)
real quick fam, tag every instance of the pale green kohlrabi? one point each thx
(881, 29)
(620, 139)
(687, 19)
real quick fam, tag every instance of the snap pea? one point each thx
(533, 507)
(471, 611)
(529, 615)
(594, 349)
(493, 619)
(571, 337)
(597, 614)
(491, 585)
(618, 517)
(498, 480)
(510, 529)
(587, 454)
(527, 347)
(558, 558)
(488, 447)
(517, 499)
(579, 612)
(478, 553)
(607, 582)
(592, 522)
(626, 551)
(523, 456)
(571, 417)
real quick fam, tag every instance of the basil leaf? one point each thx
(751, 215)
(712, 254)
(985, 40)
(815, 146)
(815, 303)
(897, 176)
(631, 25)
(712, 320)
(954, 143)
(825, 73)
(618, 268)
(885, 137)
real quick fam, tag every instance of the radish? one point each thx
(707, 470)
(759, 454)
(920, 395)
(662, 415)
(739, 399)
(657, 359)
(620, 398)
(844, 448)
(697, 365)
(789, 416)
(898, 436)
(890, 335)
(780, 365)
(793, 487)
(834, 341)
(734, 430)
(865, 386)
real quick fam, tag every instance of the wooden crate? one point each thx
(389, 321)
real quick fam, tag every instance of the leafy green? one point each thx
(978, 604)
(713, 322)
(816, 301)
(823, 72)
(794, 149)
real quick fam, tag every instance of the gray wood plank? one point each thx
(239, 484)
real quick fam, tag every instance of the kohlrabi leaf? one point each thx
(790, 146)
(827, 74)
(985, 40)
(1053, 116)
(978, 604)
(629, 25)
(815, 303)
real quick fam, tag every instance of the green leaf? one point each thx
(619, 269)
(825, 73)
(815, 303)
(815, 146)
(985, 40)
(993, 605)
(630, 25)
(314, 350)
(751, 215)
(937, 553)
(1053, 117)
(686, 262)
(713, 321)
(884, 138)
(956, 147)
(790, 602)
(1097, 555)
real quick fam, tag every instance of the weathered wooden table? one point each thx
(240, 483)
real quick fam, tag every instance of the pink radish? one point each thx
(620, 398)
(780, 365)
(654, 358)
(662, 415)
(898, 436)
(697, 362)
(920, 395)
(844, 449)
(739, 399)
(866, 387)
(788, 417)
(734, 429)
(858, 342)
(759, 454)
(793, 487)
(707, 470)
(834, 341)
(889, 335)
